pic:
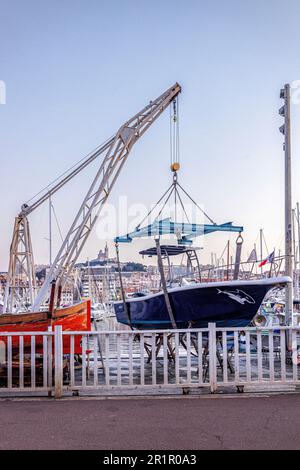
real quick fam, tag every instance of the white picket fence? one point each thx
(148, 361)
(19, 372)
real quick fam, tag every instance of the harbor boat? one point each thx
(227, 304)
(191, 303)
(77, 317)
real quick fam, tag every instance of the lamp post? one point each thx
(285, 129)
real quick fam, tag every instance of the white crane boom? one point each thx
(21, 283)
(21, 287)
(117, 152)
(50, 190)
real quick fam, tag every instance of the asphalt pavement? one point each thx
(175, 423)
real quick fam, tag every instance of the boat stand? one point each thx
(219, 344)
(206, 355)
(159, 340)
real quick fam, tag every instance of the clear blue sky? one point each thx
(75, 70)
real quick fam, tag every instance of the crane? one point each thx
(20, 293)
(21, 286)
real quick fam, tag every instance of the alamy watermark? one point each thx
(2, 92)
(124, 217)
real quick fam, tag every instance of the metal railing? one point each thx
(26, 361)
(148, 361)
(140, 360)
(256, 356)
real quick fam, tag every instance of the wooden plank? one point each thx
(21, 364)
(212, 357)
(130, 358)
(153, 358)
(177, 377)
(84, 347)
(32, 361)
(200, 357)
(45, 362)
(188, 357)
(9, 362)
(259, 356)
(225, 357)
(165, 346)
(95, 354)
(50, 357)
(58, 361)
(236, 357)
(107, 357)
(119, 371)
(283, 355)
(142, 352)
(295, 355)
(248, 357)
(77, 309)
(271, 356)
(17, 318)
(72, 370)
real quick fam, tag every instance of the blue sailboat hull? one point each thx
(228, 304)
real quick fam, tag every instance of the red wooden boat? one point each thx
(74, 318)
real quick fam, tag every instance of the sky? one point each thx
(75, 70)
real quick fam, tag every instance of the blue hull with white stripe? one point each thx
(228, 304)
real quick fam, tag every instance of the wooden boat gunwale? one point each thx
(32, 317)
(75, 318)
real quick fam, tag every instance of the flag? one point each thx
(252, 257)
(269, 259)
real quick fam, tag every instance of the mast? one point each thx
(228, 257)
(286, 131)
(50, 231)
(261, 248)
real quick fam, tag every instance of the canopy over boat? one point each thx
(167, 250)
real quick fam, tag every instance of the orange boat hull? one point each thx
(74, 318)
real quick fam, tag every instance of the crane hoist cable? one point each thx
(57, 222)
(72, 169)
(175, 167)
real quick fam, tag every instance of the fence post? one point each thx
(49, 361)
(58, 361)
(212, 345)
